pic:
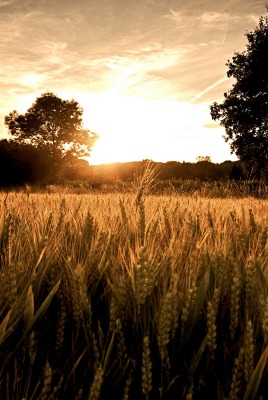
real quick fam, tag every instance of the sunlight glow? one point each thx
(133, 129)
(145, 81)
(32, 79)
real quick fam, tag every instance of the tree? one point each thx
(54, 126)
(203, 159)
(244, 111)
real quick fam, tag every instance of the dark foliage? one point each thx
(53, 126)
(243, 113)
(23, 163)
(203, 170)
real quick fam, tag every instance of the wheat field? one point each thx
(133, 296)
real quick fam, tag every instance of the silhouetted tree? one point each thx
(22, 163)
(54, 126)
(244, 111)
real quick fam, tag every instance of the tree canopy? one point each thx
(244, 111)
(54, 126)
(203, 159)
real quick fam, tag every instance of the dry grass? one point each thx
(133, 296)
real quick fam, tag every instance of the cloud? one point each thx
(209, 88)
(144, 49)
(173, 15)
(211, 125)
(212, 17)
(4, 3)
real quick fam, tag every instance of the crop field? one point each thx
(133, 296)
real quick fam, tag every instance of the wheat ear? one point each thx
(146, 380)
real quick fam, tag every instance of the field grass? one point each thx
(133, 296)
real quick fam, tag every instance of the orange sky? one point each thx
(144, 71)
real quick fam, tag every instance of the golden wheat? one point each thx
(138, 292)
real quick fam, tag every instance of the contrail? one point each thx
(207, 89)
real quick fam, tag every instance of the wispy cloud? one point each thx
(148, 50)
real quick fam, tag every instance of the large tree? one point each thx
(54, 126)
(244, 111)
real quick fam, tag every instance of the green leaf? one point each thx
(29, 308)
(253, 385)
(262, 277)
(196, 308)
(108, 352)
(197, 358)
(3, 326)
(44, 306)
(195, 363)
(39, 314)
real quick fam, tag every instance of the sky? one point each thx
(144, 71)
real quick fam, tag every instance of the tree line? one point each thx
(22, 164)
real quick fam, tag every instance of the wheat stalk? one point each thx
(249, 351)
(143, 278)
(62, 316)
(237, 376)
(235, 302)
(212, 310)
(95, 389)
(146, 368)
(46, 382)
